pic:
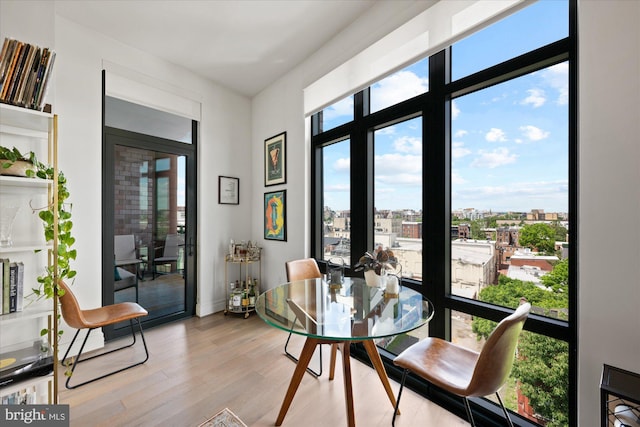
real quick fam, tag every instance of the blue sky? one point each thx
(509, 145)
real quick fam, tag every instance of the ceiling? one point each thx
(244, 45)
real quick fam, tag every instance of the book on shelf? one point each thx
(1, 285)
(12, 286)
(5, 286)
(25, 396)
(20, 283)
(25, 71)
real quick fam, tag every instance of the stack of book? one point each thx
(24, 73)
(25, 396)
(12, 280)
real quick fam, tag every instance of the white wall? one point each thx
(609, 195)
(609, 114)
(223, 150)
(280, 108)
(76, 97)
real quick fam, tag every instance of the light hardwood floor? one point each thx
(201, 365)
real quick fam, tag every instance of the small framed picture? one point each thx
(228, 190)
(275, 159)
(275, 215)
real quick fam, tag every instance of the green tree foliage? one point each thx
(476, 230)
(542, 365)
(542, 368)
(538, 236)
(560, 231)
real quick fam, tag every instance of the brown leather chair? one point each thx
(301, 269)
(464, 372)
(95, 318)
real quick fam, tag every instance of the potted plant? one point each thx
(15, 163)
(375, 265)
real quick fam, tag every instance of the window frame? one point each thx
(435, 108)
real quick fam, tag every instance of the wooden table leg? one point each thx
(348, 389)
(332, 363)
(301, 367)
(374, 356)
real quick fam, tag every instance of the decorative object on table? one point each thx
(275, 224)
(228, 190)
(275, 150)
(376, 266)
(392, 288)
(7, 217)
(335, 271)
(224, 418)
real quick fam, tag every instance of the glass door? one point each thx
(149, 225)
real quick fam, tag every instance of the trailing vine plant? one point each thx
(65, 254)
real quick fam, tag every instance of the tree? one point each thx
(560, 231)
(476, 230)
(538, 236)
(542, 364)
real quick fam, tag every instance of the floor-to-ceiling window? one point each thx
(464, 164)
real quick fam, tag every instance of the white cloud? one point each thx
(396, 88)
(536, 98)
(456, 178)
(337, 188)
(460, 133)
(533, 133)
(514, 195)
(408, 144)
(394, 164)
(455, 111)
(342, 165)
(389, 130)
(458, 150)
(399, 180)
(495, 134)
(341, 108)
(557, 76)
(493, 159)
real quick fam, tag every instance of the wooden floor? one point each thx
(201, 365)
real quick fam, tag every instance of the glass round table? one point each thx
(340, 315)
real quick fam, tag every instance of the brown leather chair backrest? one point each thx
(496, 357)
(300, 269)
(71, 312)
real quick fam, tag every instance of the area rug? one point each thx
(224, 418)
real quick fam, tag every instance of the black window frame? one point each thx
(435, 108)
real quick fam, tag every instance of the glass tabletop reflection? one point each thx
(352, 311)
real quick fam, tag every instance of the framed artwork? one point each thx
(275, 159)
(228, 190)
(275, 221)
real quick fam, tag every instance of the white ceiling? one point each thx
(244, 45)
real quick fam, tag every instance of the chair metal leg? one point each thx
(395, 410)
(506, 414)
(295, 359)
(78, 360)
(469, 415)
